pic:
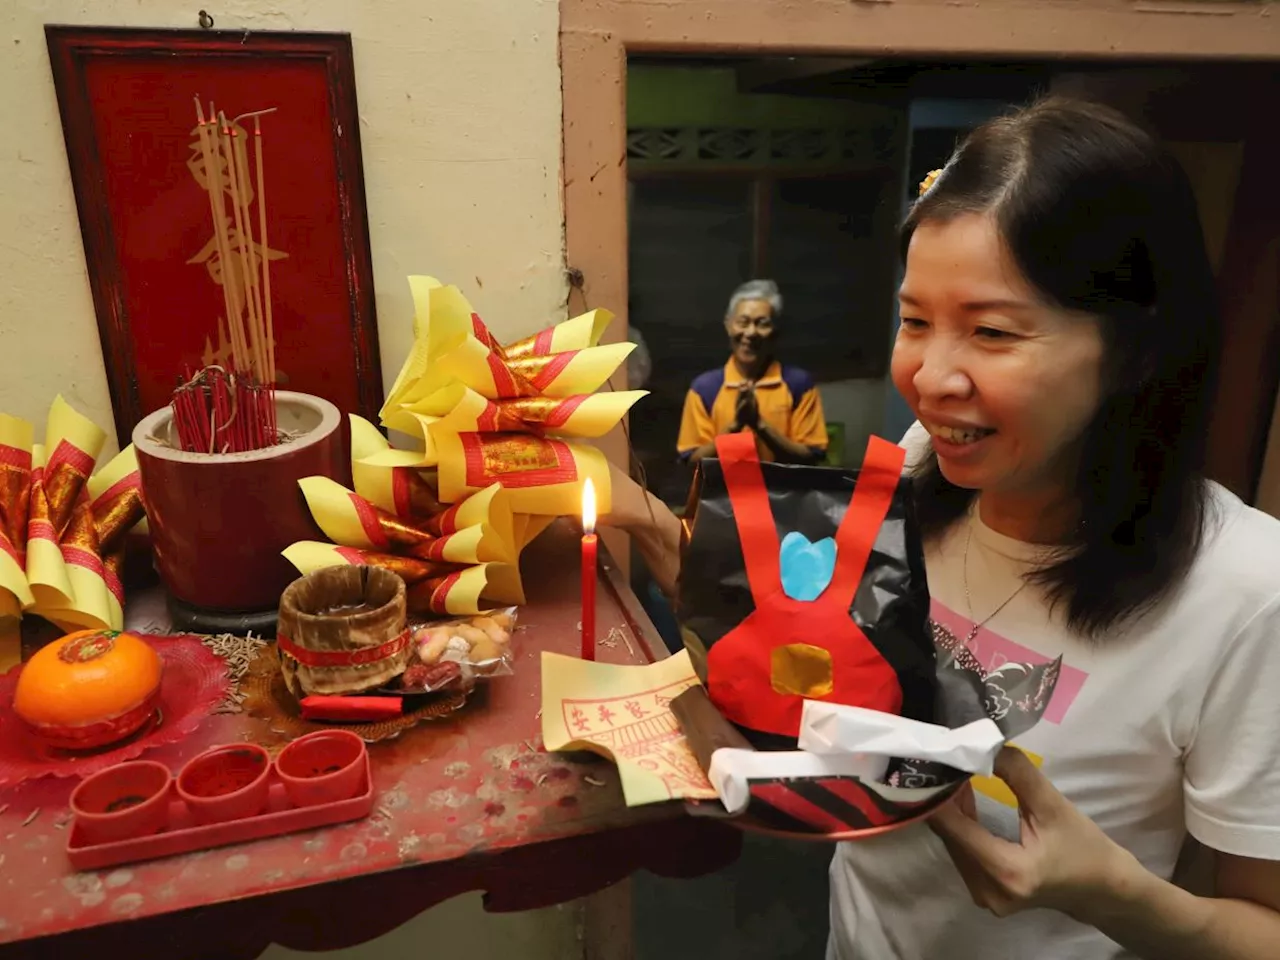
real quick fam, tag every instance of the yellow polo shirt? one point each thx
(786, 397)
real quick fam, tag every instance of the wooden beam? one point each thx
(780, 73)
(1249, 284)
(1101, 29)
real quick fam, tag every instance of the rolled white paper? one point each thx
(832, 729)
(732, 770)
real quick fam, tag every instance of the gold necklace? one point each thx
(964, 572)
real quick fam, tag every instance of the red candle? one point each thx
(588, 571)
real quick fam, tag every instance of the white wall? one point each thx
(460, 129)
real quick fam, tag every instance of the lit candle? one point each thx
(588, 571)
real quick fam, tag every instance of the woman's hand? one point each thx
(1064, 861)
(746, 414)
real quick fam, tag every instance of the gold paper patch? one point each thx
(802, 669)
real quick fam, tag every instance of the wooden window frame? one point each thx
(597, 36)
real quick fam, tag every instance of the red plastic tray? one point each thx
(185, 836)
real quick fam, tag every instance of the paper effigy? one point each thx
(824, 703)
(803, 591)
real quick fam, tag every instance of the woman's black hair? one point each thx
(1100, 218)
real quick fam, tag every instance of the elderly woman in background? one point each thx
(1058, 334)
(779, 403)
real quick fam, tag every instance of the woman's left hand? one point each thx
(1064, 861)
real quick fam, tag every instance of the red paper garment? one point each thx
(741, 666)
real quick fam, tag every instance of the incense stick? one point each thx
(226, 257)
(245, 361)
(264, 332)
(266, 249)
(213, 186)
(257, 313)
(229, 272)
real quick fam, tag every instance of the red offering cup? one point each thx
(231, 782)
(122, 802)
(322, 767)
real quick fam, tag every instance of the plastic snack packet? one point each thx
(455, 653)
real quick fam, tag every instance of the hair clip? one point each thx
(928, 181)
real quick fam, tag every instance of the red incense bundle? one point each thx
(220, 411)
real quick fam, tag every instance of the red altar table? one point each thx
(470, 802)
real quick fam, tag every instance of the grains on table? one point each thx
(238, 653)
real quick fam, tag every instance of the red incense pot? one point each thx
(220, 521)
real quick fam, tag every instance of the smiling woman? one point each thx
(1059, 295)
(1058, 326)
(1004, 382)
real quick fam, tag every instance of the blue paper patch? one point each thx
(807, 568)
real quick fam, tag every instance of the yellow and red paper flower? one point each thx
(499, 454)
(516, 414)
(62, 527)
(452, 558)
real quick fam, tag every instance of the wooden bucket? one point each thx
(342, 630)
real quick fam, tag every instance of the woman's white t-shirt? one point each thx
(1172, 727)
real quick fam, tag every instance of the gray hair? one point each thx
(765, 290)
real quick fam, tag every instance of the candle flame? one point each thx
(589, 507)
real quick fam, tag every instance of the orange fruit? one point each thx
(89, 689)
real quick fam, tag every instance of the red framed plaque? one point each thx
(127, 99)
